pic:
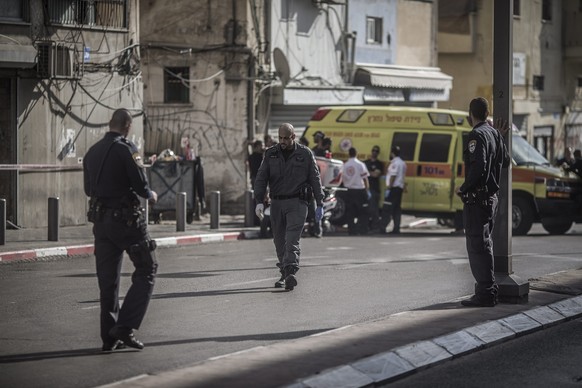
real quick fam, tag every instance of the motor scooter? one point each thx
(331, 206)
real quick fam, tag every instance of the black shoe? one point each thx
(474, 301)
(126, 336)
(281, 282)
(111, 346)
(290, 279)
(394, 232)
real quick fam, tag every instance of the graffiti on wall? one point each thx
(168, 127)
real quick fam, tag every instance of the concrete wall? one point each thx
(310, 38)
(472, 72)
(415, 39)
(53, 112)
(216, 41)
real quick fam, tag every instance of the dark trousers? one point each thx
(112, 238)
(287, 221)
(357, 207)
(478, 220)
(392, 210)
(374, 210)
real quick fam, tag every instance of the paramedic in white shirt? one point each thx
(355, 179)
(392, 209)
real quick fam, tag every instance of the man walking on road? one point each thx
(290, 171)
(114, 178)
(485, 155)
(355, 179)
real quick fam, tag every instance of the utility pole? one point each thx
(511, 288)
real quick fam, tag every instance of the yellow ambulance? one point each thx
(431, 143)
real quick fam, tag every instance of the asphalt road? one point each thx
(215, 299)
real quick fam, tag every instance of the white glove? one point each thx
(259, 211)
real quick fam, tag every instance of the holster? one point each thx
(132, 212)
(306, 193)
(96, 210)
(143, 254)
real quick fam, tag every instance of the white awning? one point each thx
(318, 95)
(403, 77)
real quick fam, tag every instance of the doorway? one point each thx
(8, 177)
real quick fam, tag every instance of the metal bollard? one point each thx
(249, 208)
(2, 221)
(215, 210)
(53, 219)
(180, 212)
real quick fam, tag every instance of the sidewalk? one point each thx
(367, 354)
(33, 244)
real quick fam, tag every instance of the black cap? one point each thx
(376, 148)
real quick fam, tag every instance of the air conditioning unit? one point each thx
(56, 60)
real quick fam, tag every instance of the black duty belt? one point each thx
(286, 196)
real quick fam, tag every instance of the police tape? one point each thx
(39, 167)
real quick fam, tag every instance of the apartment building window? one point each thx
(373, 30)
(516, 8)
(546, 10)
(176, 89)
(538, 82)
(580, 82)
(15, 10)
(98, 13)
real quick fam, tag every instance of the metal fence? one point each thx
(105, 13)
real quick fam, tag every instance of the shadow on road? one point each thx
(28, 357)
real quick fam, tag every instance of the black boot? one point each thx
(281, 282)
(290, 279)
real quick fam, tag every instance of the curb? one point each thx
(403, 361)
(88, 249)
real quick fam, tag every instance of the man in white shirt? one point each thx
(355, 179)
(392, 209)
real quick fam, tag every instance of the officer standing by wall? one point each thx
(355, 179)
(485, 155)
(114, 177)
(290, 171)
(392, 209)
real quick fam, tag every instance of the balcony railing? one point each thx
(91, 13)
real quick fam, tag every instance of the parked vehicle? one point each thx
(431, 142)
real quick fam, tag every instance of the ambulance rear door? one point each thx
(407, 140)
(433, 173)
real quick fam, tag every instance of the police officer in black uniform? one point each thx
(113, 179)
(290, 171)
(484, 156)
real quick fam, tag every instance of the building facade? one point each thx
(546, 65)
(201, 63)
(65, 65)
(395, 52)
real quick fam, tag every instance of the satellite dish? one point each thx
(281, 65)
